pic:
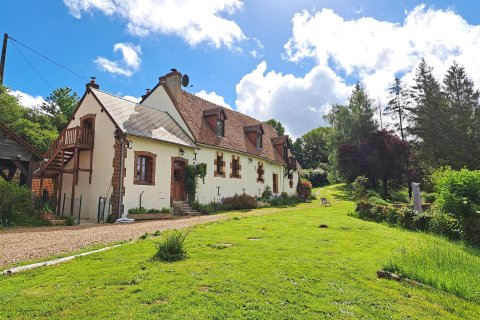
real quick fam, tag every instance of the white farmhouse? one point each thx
(167, 131)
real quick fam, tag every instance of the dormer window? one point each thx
(259, 141)
(220, 128)
(285, 151)
(215, 118)
(254, 133)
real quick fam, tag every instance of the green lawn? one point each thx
(279, 266)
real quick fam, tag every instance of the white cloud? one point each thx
(132, 98)
(129, 63)
(374, 51)
(192, 20)
(27, 100)
(213, 97)
(298, 103)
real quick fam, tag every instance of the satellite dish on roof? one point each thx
(185, 80)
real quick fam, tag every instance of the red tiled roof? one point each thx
(192, 108)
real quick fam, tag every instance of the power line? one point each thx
(47, 58)
(33, 68)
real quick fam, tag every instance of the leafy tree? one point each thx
(351, 123)
(397, 105)
(34, 133)
(311, 148)
(10, 108)
(33, 126)
(381, 157)
(277, 125)
(464, 119)
(429, 117)
(60, 105)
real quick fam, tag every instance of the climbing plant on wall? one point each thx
(193, 172)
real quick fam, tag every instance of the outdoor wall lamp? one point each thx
(250, 160)
(182, 152)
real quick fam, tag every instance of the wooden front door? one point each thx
(177, 189)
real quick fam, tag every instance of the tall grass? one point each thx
(170, 248)
(443, 265)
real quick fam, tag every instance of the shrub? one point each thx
(267, 193)
(285, 200)
(421, 220)
(211, 207)
(304, 189)
(458, 197)
(153, 210)
(429, 197)
(139, 210)
(15, 203)
(70, 221)
(471, 229)
(454, 187)
(171, 248)
(368, 211)
(445, 224)
(165, 210)
(239, 202)
(318, 177)
(359, 186)
(378, 200)
(406, 218)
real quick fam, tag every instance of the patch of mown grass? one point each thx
(296, 271)
(442, 265)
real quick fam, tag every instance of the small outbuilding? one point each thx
(17, 157)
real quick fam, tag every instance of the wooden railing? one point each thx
(71, 137)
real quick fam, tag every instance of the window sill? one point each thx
(144, 183)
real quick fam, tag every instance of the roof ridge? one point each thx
(114, 95)
(230, 109)
(136, 103)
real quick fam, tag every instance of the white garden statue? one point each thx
(417, 197)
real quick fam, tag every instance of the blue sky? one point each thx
(284, 59)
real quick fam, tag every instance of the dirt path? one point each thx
(31, 243)
(20, 244)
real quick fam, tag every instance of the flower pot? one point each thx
(46, 216)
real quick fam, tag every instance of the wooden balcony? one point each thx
(291, 163)
(72, 138)
(69, 142)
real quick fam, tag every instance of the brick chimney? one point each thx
(92, 83)
(173, 81)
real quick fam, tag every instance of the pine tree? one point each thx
(397, 105)
(429, 117)
(463, 105)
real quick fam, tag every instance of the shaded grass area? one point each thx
(270, 266)
(447, 266)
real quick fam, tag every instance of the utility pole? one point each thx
(2, 60)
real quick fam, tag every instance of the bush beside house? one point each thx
(15, 204)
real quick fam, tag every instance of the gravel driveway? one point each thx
(31, 243)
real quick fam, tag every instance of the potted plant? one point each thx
(46, 213)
